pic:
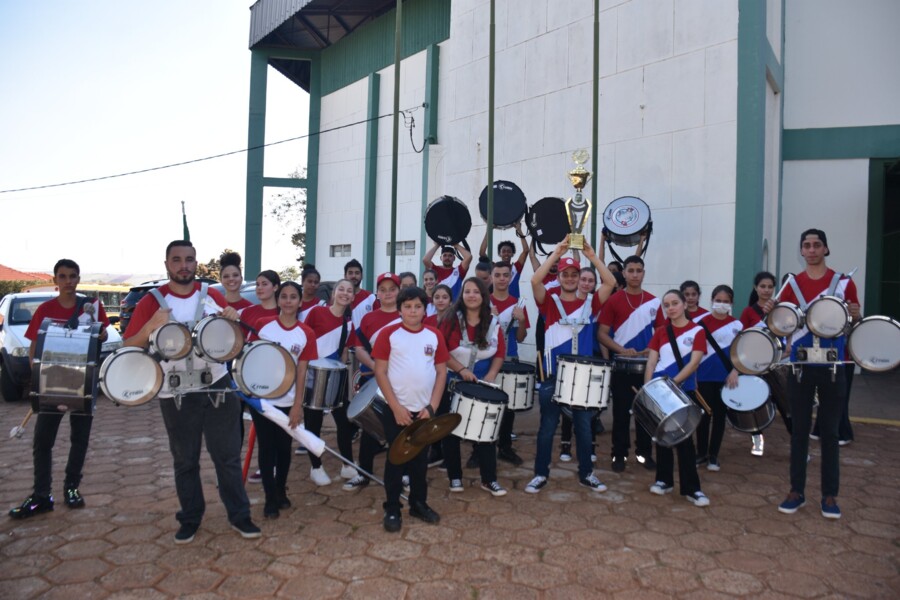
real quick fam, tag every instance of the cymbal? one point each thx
(436, 429)
(404, 448)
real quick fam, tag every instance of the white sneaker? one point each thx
(358, 482)
(405, 481)
(301, 451)
(661, 489)
(456, 486)
(536, 484)
(494, 488)
(348, 472)
(698, 499)
(320, 477)
(759, 445)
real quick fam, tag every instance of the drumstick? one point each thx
(19, 430)
(702, 402)
(784, 285)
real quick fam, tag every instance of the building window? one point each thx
(403, 248)
(339, 250)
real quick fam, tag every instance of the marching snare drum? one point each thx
(747, 406)
(509, 204)
(481, 408)
(65, 368)
(447, 220)
(666, 412)
(827, 317)
(784, 319)
(130, 376)
(326, 384)
(517, 380)
(367, 408)
(171, 341)
(755, 351)
(632, 365)
(548, 221)
(874, 343)
(582, 382)
(264, 370)
(217, 339)
(626, 219)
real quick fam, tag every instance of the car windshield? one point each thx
(22, 309)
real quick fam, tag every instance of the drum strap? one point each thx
(198, 313)
(719, 352)
(576, 323)
(468, 344)
(348, 318)
(674, 343)
(643, 250)
(836, 278)
(72, 323)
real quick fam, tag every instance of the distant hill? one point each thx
(125, 279)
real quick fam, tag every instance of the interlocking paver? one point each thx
(22, 587)
(132, 576)
(77, 571)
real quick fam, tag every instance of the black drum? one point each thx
(509, 204)
(447, 221)
(548, 221)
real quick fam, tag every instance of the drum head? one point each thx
(750, 393)
(517, 368)
(547, 220)
(754, 351)
(584, 360)
(479, 391)
(218, 339)
(784, 319)
(509, 204)
(172, 341)
(447, 220)
(827, 317)
(327, 364)
(265, 370)
(874, 343)
(626, 216)
(130, 376)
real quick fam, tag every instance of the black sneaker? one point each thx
(186, 533)
(647, 461)
(472, 463)
(509, 455)
(33, 505)
(73, 498)
(270, 511)
(618, 464)
(702, 460)
(247, 529)
(422, 511)
(392, 521)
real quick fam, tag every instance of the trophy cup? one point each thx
(578, 208)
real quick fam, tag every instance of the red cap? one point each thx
(392, 276)
(568, 263)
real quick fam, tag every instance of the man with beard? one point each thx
(447, 274)
(363, 300)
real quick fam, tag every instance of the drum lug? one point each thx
(175, 382)
(177, 399)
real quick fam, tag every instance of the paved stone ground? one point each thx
(566, 542)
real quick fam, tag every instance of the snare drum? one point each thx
(367, 408)
(217, 339)
(264, 370)
(65, 368)
(582, 382)
(666, 412)
(172, 341)
(747, 406)
(874, 343)
(326, 384)
(784, 319)
(481, 408)
(631, 365)
(755, 351)
(517, 380)
(828, 317)
(130, 376)
(626, 219)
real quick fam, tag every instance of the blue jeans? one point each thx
(550, 412)
(198, 419)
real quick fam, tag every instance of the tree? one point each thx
(213, 268)
(289, 209)
(290, 274)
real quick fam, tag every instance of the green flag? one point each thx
(187, 232)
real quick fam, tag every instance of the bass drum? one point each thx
(874, 343)
(130, 376)
(447, 221)
(625, 220)
(547, 221)
(509, 204)
(65, 368)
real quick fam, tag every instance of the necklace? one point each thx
(628, 300)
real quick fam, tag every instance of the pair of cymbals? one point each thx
(421, 434)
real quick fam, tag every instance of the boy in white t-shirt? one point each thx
(411, 370)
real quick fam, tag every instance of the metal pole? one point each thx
(595, 140)
(490, 158)
(397, 39)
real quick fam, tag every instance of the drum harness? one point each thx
(191, 379)
(576, 323)
(680, 360)
(471, 346)
(816, 351)
(513, 323)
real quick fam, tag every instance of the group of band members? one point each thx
(414, 341)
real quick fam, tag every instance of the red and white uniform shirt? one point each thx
(327, 328)
(363, 304)
(452, 277)
(462, 349)
(299, 340)
(723, 331)
(240, 305)
(561, 330)
(370, 329)
(753, 316)
(412, 357)
(689, 338)
(632, 318)
(305, 307)
(52, 309)
(812, 289)
(505, 316)
(253, 314)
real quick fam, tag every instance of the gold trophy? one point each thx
(578, 208)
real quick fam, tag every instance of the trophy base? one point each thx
(576, 241)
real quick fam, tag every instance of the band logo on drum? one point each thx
(626, 216)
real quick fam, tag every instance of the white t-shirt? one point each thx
(411, 356)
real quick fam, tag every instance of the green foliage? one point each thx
(14, 287)
(289, 209)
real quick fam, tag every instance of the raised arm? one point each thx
(537, 280)
(427, 259)
(466, 258)
(607, 281)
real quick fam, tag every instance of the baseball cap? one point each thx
(568, 263)
(392, 276)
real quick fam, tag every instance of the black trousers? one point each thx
(393, 474)
(312, 420)
(831, 402)
(273, 452)
(688, 479)
(623, 398)
(710, 443)
(45, 430)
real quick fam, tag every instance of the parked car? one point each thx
(16, 311)
(139, 291)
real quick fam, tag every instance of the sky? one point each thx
(102, 87)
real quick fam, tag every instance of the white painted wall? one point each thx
(839, 70)
(831, 195)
